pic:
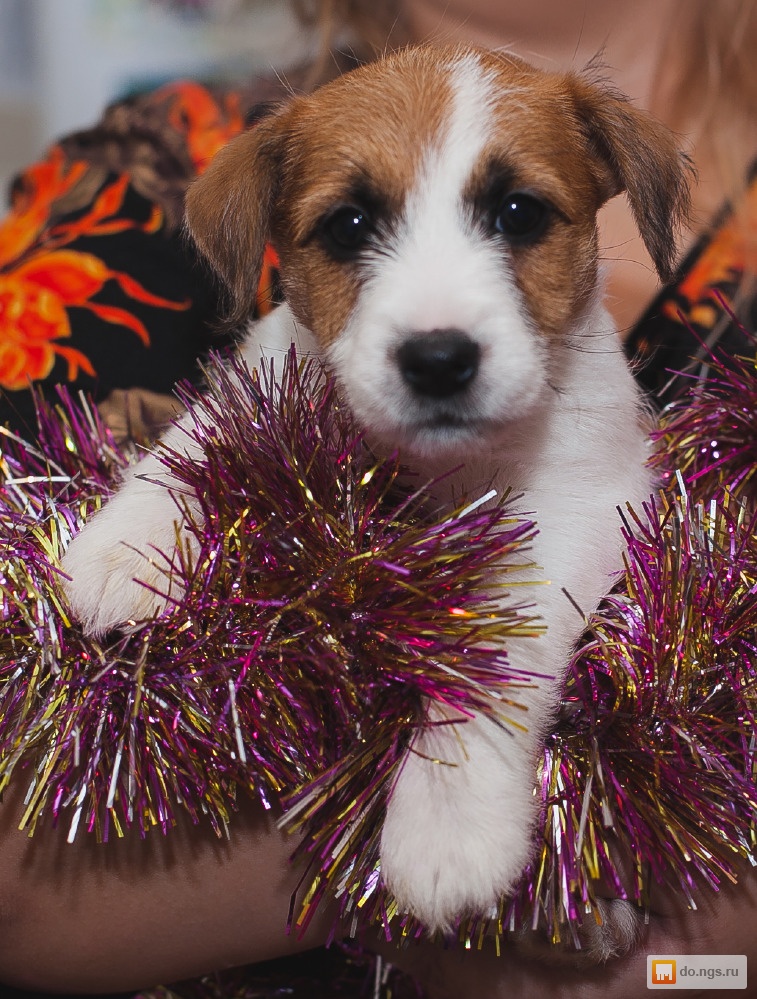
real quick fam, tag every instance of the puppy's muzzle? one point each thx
(439, 364)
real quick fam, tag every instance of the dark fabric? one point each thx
(709, 309)
(99, 289)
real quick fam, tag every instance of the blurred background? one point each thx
(62, 61)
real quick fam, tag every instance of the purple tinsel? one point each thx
(329, 599)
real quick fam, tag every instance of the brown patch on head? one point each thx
(537, 147)
(228, 210)
(359, 141)
(574, 144)
(359, 138)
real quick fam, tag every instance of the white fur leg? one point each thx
(459, 820)
(119, 564)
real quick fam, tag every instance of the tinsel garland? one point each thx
(709, 436)
(325, 603)
(329, 599)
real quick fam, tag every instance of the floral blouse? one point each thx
(100, 291)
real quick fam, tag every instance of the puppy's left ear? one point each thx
(637, 154)
(228, 210)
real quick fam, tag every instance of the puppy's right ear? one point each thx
(228, 209)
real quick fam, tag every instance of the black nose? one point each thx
(439, 363)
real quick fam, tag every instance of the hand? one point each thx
(100, 918)
(723, 923)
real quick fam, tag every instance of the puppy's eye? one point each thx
(522, 218)
(345, 232)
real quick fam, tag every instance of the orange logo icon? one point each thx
(664, 972)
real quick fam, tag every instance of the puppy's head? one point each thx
(435, 218)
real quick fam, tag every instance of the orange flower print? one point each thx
(30, 318)
(40, 277)
(43, 183)
(205, 124)
(265, 294)
(732, 251)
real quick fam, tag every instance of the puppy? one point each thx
(435, 218)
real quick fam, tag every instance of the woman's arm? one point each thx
(723, 923)
(126, 915)
(88, 917)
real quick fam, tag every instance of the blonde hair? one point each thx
(368, 27)
(707, 82)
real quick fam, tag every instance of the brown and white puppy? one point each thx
(435, 217)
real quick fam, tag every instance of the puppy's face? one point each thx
(435, 217)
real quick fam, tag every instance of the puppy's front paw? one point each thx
(611, 931)
(458, 827)
(614, 933)
(111, 585)
(119, 566)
